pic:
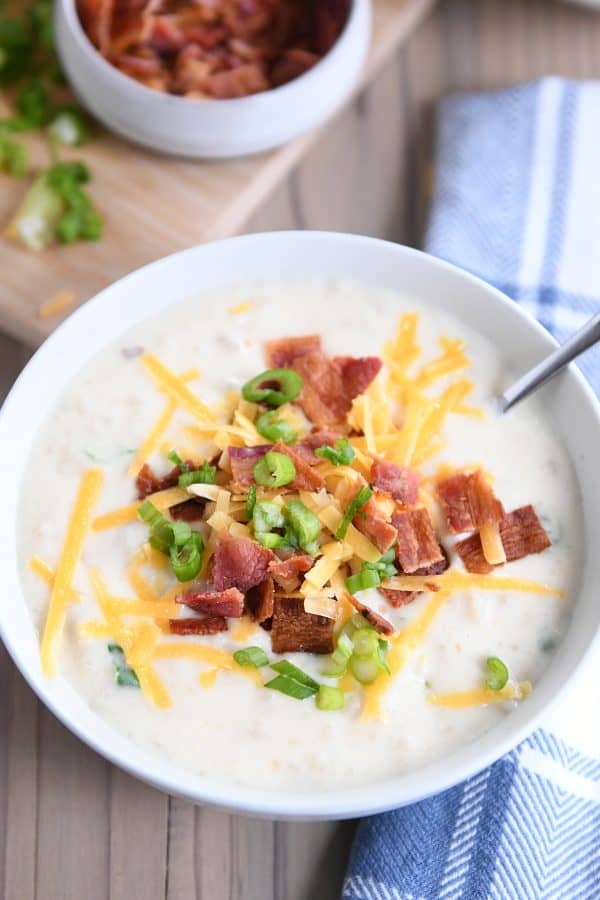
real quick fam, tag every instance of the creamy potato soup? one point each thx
(279, 536)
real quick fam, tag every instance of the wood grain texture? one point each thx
(71, 826)
(153, 205)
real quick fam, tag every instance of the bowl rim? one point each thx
(343, 803)
(121, 82)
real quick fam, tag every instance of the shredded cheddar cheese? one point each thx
(452, 358)
(402, 645)
(57, 304)
(61, 594)
(153, 439)
(480, 696)
(240, 308)
(211, 656)
(454, 580)
(491, 544)
(176, 389)
(127, 514)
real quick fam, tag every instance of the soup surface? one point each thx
(428, 411)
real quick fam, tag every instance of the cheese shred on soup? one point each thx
(278, 535)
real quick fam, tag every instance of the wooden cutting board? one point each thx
(154, 205)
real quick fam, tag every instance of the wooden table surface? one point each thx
(72, 827)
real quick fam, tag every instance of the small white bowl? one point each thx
(211, 128)
(569, 403)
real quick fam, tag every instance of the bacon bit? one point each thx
(471, 553)
(207, 625)
(399, 598)
(188, 511)
(260, 601)
(357, 373)
(307, 446)
(243, 46)
(330, 385)
(148, 482)
(306, 479)
(286, 572)
(240, 563)
(280, 354)
(468, 502)
(243, 460)
(417, 546)
(399, 481)
(229, 603)
(296, 630)
(522, 534)
(370, 521)
(378, 622)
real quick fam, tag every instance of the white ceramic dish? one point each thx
(211, 128)
(569, 401)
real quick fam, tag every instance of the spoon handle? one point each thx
(582, 340)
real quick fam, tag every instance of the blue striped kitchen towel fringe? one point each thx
(517, 202)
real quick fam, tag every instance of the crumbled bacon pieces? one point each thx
(260, 601)
(521, 533)
(330, 385)
(280, 354)
(468, 502)
(370, 521)
(417, 546)
(214, 48)
(229, 603)
(398, 598)
(240, 563)
(398, 481)
(206, 625)
(296, 630)
(305, 479)
(378, 622)
(286, 572)
(307, 446)
(148, 482)
(188, 510)
(243, 460)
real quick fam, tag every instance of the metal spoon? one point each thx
(582, 340)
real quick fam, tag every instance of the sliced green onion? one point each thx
(186, 559)
(366, 578)
(266, 517)
(251, 656)
(340, 656)
(303, 523)
(329, 698)
(365, 642)
(274, 429)
(273, 387)
(125, 676)
(175, 458)
(290, 687)
(271, 540)
(497, 673)
(285, 667)
(361, 497)
(206, 474)
(385, 566)
(342, 455)
(68, 127)
(359, 621)
(251, 502)
(382, 647)
(274, 470)
(364, 669)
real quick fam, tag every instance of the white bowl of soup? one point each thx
(266, 542)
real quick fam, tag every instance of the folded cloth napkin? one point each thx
(517, 202)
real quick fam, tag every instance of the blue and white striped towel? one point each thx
(517, 202)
